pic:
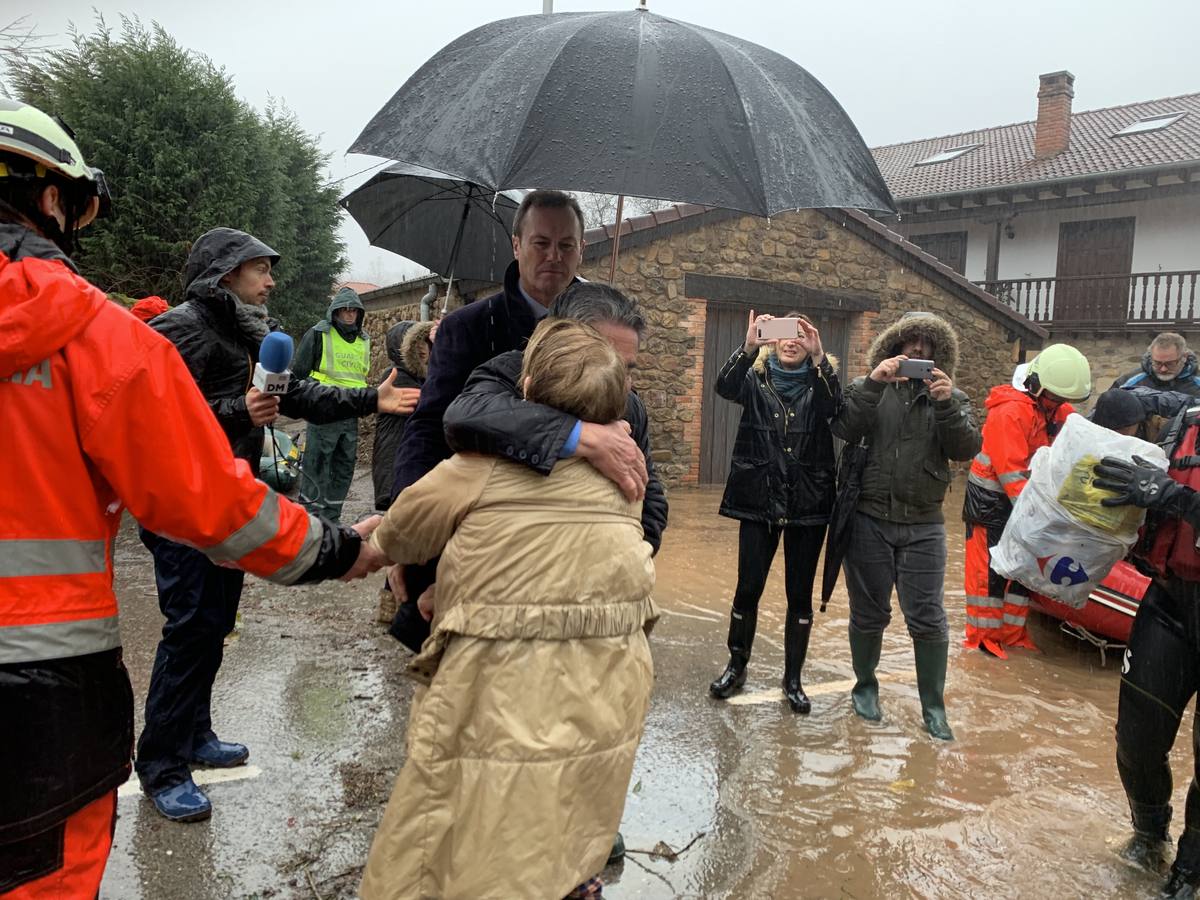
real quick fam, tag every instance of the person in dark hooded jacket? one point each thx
(912, 429)
(408, 345)
(337, 352)
(217, 330)
(781, 486)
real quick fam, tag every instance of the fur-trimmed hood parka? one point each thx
(936, 331)
(910, 436)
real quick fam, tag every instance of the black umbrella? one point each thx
(841, 520)
(628, 103)
(456, 228)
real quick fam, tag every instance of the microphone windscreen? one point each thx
(275, 354)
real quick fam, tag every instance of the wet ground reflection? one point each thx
(1025, 803)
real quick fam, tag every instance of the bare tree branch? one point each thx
(19, 42)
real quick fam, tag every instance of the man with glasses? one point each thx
(1167, 365)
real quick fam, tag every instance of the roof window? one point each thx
(947, 155)
(1150, 123)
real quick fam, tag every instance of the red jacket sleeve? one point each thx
(154, 439)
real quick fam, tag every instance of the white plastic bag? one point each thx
(1059, 540)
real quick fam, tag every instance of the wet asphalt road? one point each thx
(1026, 803)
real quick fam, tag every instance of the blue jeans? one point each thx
(910, 558)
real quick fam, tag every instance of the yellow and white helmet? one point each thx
(1062, 370)
(49, 146)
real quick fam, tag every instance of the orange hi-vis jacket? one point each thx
(97, 413)
(1014, 430)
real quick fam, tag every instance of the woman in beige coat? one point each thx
(537, 672)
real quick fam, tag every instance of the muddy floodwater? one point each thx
(1025, 803)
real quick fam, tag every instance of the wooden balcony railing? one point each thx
(1141, 298)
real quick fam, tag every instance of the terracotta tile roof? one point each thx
(1006, 155)
(359, 287)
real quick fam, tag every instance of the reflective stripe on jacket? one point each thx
(100, 413)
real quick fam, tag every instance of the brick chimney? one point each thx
(1052, 134)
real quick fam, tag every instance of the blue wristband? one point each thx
(572, 442)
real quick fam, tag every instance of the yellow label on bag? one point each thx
(1080, 497)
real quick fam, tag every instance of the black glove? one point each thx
(338, 552)
(1139, 483)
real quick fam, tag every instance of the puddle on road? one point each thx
(1026, 802)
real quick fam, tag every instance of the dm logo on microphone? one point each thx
(271, 375)
(1062, 570)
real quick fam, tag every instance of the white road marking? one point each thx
(131, 788)
(673, 612)
(755, 698)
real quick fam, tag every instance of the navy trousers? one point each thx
(200, 603)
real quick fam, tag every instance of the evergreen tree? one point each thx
(183, 154)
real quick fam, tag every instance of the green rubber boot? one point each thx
(931, 683)
(865, 648)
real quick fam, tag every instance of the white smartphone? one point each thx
(778, 329)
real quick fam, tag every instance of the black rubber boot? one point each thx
(865, 648)
(741, 639)
(931, 684)
(1150, 846)
(795, 650)
(1181, 885)
(1149, 851)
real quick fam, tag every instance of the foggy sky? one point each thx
(902, 70)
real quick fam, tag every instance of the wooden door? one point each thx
(950, 247)
(725, 330)
(1103, 247)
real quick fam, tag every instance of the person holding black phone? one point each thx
(781, 484)
(913, 421)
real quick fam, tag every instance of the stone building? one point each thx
(697, 273)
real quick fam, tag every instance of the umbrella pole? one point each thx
(449, 285)
(462, 224)
(616, 248)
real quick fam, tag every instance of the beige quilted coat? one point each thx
(538, 674)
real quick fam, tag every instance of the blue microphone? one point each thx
(271, 374)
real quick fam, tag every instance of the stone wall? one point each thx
(1113, 355)
(803, 248)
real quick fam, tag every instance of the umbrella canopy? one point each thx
(841, 520)
(452, 227)
(629, 103)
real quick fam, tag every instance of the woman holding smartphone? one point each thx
(781, 484)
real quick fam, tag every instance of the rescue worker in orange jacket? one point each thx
(91, 404)
(1019, 421)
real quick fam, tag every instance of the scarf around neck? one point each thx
(789, 383)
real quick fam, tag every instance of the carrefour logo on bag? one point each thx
(1062, 570)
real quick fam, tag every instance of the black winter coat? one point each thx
(221, 357)
(491, 417)
(783, 467)
(466, 338)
